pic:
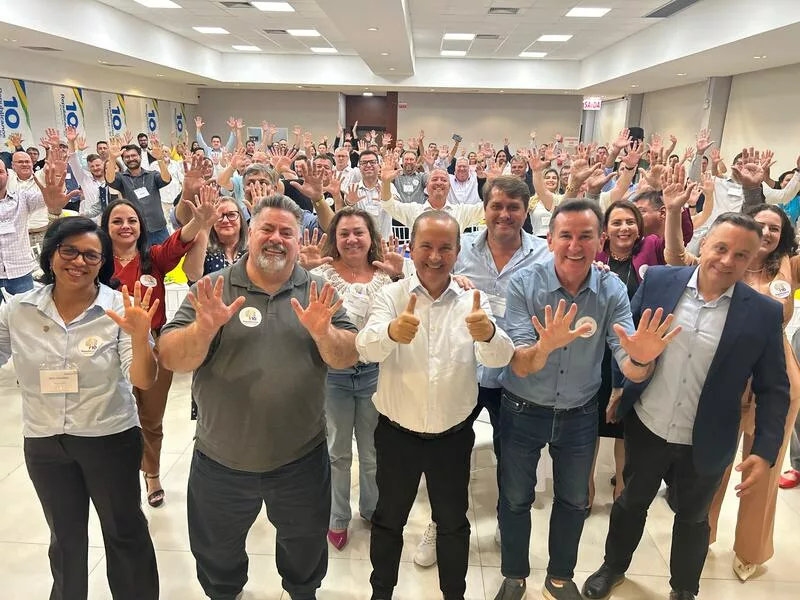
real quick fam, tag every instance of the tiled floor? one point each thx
(24, 571)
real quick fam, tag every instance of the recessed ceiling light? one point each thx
(367, 94)
(303, 32)
(459, 36)
(502, 91)
(533, 54)
(554, 38)
(247, 48)
(384, 54)
(681, 74)
(372, 29)
(585, 11)
(157, 3)
(159, 75)
(635, 85)
(760, 57)
(273, 6)
(453, 53)
(391, 68)
(211, 30)
(324, 50)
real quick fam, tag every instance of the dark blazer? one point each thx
(751, 345)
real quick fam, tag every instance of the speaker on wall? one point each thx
(637, 133)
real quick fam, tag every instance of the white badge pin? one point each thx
(250, 317)
(780, 289)
(642, 271)
(148, 281)
(590, 321)
(88, 346)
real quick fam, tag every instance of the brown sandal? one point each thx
(155, 498)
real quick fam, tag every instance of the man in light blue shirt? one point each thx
(550, 386)
(216, 149)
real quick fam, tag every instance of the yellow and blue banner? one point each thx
(114, 114)
(14, 112)
(69, 109)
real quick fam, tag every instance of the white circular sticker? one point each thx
(148, 281)
(250, 317)
(88, 346)
(642, 271)
(780, 289)
(590, 321)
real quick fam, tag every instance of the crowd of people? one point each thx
(387, 291)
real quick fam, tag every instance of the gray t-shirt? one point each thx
(411, 188)
(261, 390)
(148, 199)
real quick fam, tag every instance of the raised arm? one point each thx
(675, 196)
(336, 346)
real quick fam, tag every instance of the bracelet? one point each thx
(636, 363)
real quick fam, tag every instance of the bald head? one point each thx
(22, 164)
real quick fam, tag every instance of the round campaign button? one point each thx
(590, 321)
(148, 281)
(780, 289)
(88, 346)
(642, 271)
(250, 317)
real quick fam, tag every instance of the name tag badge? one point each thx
(498, 305)
(591, 322)
(58, 380)
(141, 192)
(356, 304)
(643, 270)
(408, 188)
(373, 208)
(250, 316)
(68, 176)
(88, 346)
(6, 227)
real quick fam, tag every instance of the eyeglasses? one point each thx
(90, 257)
(368, 162)
(232, 216)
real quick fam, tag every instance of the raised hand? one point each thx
(127, 137)
(704, 141)
(239, 123)
(80, 143)
(556, 331)
(581, 171)
(362, 145)
(71, 133)
(633, 155)
(312, 183)
(536, 162)
(751, 174)
(317, 317)
(297, 131)
(656, 143)
(651, 337)
(623, 140)
(204, 206)
(429, 158)
(231, 123)
(192, 177)
(652, 177)
(211, 312)
(14, 141)
(351, 196)
(311, 256)
(334, 186)
(393, 261)
(281, 158)
(674, 192)
(138, 317)
(386, 139)
(767, 159)
(404, 328)
(308, 139)
(479, 324)
(389, 169)
(688, 154)
(198, 123)
(53, 191)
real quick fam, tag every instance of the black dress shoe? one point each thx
(684, 595)
(600, 583)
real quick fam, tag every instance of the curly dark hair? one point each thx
(142, 245)
(66, 227)
(787, 244)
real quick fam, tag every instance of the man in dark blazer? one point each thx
(686, 416)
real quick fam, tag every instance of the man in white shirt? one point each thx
(346, 173)
(92, 180)
(428, 336)
(464, 184)
(366, 194)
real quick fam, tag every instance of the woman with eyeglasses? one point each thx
(134, 260)
(78, 347)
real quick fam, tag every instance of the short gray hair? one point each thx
(259, 169)
(436, 215)
(281, 203)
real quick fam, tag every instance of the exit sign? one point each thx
(592, 103)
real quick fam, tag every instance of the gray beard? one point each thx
(271, 264)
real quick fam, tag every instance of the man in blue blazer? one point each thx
(686, 416)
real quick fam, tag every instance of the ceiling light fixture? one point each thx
(372, 29)
(681, 74)
(760, 57)
(246, 48)
(303, 32)
(554, 38)
(324, 50)
(211, 30)
(159, 75)
(368, 94)
(157, 3)
(467, 37)
(635, 85)
(532, 54)
(453, 53)
(273, 6)
(384, 54)
(585, 11)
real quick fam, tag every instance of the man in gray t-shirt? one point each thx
(260, 362)
(409, 183)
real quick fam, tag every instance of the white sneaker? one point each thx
(497, 535)
(425, 555)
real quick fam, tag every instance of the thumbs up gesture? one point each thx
(403, 329)
(479, 324)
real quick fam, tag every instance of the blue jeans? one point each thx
(525, 428)
(16, 285)
(349, 408)
(157, 237)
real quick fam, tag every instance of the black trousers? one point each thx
(402, 458)
(489, 398)
(224, 503)
(67, 471)
(648, 458)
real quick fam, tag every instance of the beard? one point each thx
(271, 263)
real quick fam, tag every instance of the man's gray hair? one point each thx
(436, 215)
(259, 169)
(281, 203)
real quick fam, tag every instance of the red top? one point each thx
(164, 257)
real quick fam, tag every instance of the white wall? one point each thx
(316, 112)
(763, 112)
(490, 117)
(609, 121)
(677, 111)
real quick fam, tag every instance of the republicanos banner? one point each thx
(151, 115)
(69, 109)
(116, 119)
(14, 114)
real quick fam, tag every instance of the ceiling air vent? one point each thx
(487, 36)
(670, 9)
(497, 10)
(41, 48)
(236, 5)
(275, 31)
(198, 84)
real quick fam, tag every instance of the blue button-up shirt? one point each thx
(476, 262)
(571, 375)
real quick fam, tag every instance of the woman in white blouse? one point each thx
(76, 358)
(357, 268)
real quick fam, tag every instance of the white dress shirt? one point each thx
(464, 192)
(33, 332)
(91, 206)
(429, 385)
(369, 199)
(467, 215)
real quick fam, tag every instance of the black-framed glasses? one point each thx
(90, 257)
(232, 216)
(368, 162)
